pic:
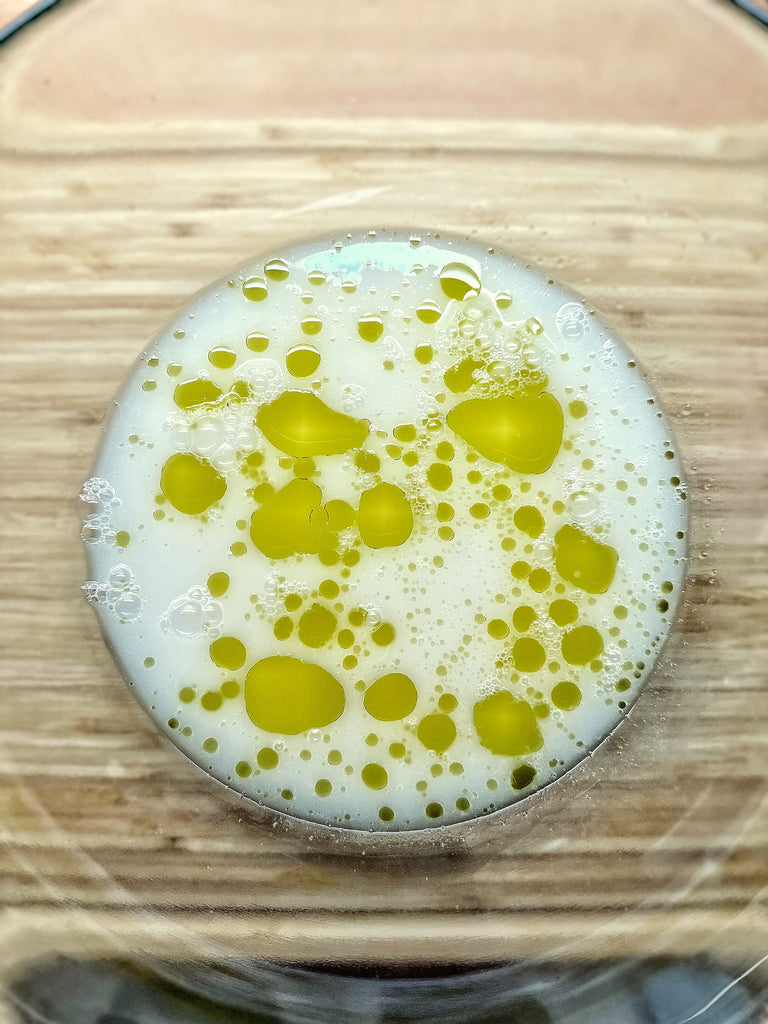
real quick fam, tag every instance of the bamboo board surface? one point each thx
(144, 149)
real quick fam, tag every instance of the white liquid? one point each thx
(615, 478)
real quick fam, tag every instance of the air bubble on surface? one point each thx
(192, 615)
(119, 593)
(263, 376)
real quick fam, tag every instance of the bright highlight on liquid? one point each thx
(386, 532)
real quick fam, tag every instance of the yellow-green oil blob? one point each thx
(522, 776)
(369, 462)
(523, 617)
(285, 695)
(539, 579)
(391, 697)
(566, 695)
(529, 520)
(329, 589)
(277, 269)
(221, 357)
(301, 424)
(436, 732)
(440, 476)
(582, 645)
(292, 521)
(257, 341)
(267, 759)
(383, 635)
(302, 360)
(523, 433)
(228, 652)
(340, 514)
(459, 377)
(498, 629)
(371, 327)
(506, 725)
(563, 612)
(423, 354)
(584, 561)
(255, 289)
(384, 517)
(283, 628)
(405, 432)
(316, 626)
(428, 312)
(122, 538)
(311, 324)
(197, 391)
(218, 584)
(191, 484)
(577, 409)
(374, 776)
(528, 654)
(460, 280)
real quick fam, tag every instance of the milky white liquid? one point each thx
(615, 480)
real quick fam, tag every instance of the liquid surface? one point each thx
(386, 532)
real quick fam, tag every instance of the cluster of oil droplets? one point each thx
(484, 429)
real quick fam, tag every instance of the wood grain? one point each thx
(123, 189)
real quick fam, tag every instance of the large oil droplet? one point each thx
(191, 484)
(276, 269)
(460, 377)
(391, 697)
(384, 517)
(221, 357)
(506, 725)
(566, 695)
(374, 776)
(302, 360)
(440, 476)
(371, 327)
(582, 645)
(194, 392)
(460, 280)
(563, 612)
(292, 521)
(301, 424)
(428, 312)
(285, 695)
(218, 584)
(316, 626)
(228, 652)
(529, 520)
(436, 732)
(584, 561)
(528, 654)
(255, 289)
(524, 433)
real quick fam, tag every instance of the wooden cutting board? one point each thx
(145, 147)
